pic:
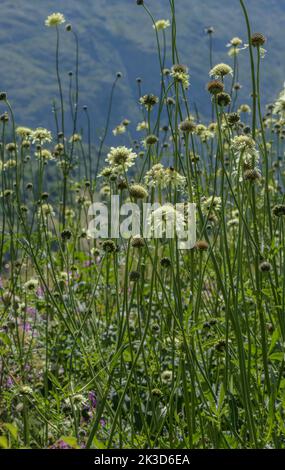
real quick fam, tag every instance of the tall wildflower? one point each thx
(247, 157)
(41, 135)
(279, 105)
(121, 157)
(161, 24)
(180, 74)
(244, 148)
(220, 71)
(159, 176)
(55, 19)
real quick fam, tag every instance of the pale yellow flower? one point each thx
(55, 19)
(220, 70)
(161, 24)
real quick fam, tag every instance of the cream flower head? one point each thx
(161, 24)
(55, 19)
(121, 157)
(220, 70)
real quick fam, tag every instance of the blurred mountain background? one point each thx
(117, 35)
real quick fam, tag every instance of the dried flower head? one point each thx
(137, 242)
(66, 235)
(109, 246)
(165, 262)
(135, 276)
(252, 174)
(223, 99)
(187, 126)
(215, 86)
(258, 39)
(151, 139)
(233, 118)
(279, 210)
(137, 191)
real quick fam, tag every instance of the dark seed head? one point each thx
(134, 276)
(66, 235)
(215, 86)
(279, 210)
(220, 346)
(209, 30)
(233, 118)
(109, 246)
(165, 262)
(151, 139)
(223, 99)
(258, 39)
(187, 126)
(251, 174)
(265, 267)
(137, 191)
(137, 242)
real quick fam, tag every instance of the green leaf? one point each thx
(274, 340)
(4, 442)
(278, 356)
(98, 444)
(71, 441)
(5, 339)
(11, 429)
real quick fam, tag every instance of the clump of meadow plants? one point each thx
(116, 342)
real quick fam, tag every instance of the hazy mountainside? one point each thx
(117, 36)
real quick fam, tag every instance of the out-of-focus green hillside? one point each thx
(116, 35)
